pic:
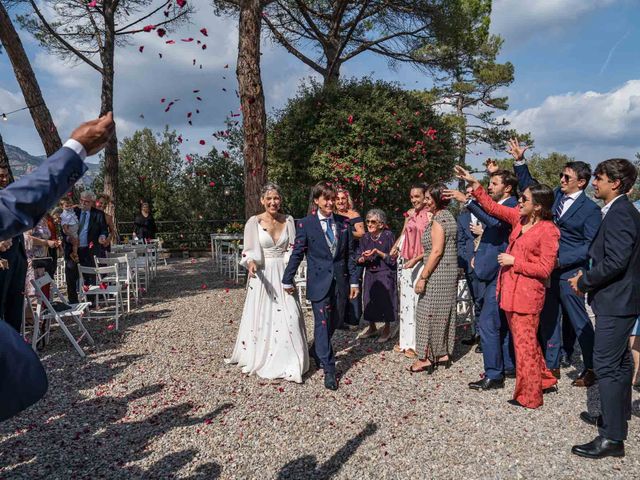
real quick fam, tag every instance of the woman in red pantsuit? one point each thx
(525, 268)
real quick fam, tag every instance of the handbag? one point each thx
(42, 262)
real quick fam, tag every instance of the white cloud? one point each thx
(589, 125)
(518, 21)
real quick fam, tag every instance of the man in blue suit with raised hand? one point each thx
(22, 204)
(332, 275)
(578, 219)
(613, 285)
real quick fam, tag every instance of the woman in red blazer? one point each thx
(525, 268)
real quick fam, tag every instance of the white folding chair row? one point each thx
(47, 310)
(106, 295)
(141, 262)
(125, 276)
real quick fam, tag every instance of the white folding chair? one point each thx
(45, 312)
(464, 304)
(300, 281)
(124, 276)
(110, 295)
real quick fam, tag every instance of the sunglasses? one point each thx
(524, 199)
(371, 222)
(566, 178)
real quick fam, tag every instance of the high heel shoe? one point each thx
(552, 389)
(429, 369)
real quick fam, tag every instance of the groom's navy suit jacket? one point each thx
(322, 267)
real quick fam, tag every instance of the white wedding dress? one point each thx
(271, 340)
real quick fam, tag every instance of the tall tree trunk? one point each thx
(28, 83)
(4, 160)
(108, 71)
(331, 73)
(254, 116)
(462, 137)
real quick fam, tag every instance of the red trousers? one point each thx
(532, 374)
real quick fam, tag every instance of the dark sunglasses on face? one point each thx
(565, 177)
(371, 222)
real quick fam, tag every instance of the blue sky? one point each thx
(577, 87)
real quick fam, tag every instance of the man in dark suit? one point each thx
(578, 219)
(613, 286)
(92, 233)
(332, 276)
(467, 239)
(495, 340)
(22, 204)
(13, 278)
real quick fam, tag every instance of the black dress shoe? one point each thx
(510, 374)
(553, 389)
(595, 420)
(478, 348)
(330, 381)
(471, 341)
(599, 447)
(486, 384)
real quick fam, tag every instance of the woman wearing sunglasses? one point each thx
(525, 268)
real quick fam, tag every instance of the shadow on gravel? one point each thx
(307, 466)
(93, 437)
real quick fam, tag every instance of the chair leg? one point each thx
(71, 338)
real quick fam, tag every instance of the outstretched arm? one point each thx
(297, 255)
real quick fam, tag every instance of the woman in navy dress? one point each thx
(344, 207)
(379, 293)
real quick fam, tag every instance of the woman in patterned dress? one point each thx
(437, 286)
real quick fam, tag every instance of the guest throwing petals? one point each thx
(379, 287)
(525, 268)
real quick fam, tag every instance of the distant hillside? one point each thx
(22, 162)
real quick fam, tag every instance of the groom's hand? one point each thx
(354, 293)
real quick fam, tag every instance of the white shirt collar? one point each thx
(606, 208)
(574, 195)
(500, 202)
(322, 217)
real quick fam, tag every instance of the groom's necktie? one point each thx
(329, 232)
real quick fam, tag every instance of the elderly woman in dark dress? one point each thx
(379, 288)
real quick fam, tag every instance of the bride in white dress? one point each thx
(271, 340)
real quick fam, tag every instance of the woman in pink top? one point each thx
(409, 247)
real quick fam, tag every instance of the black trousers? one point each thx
(613, 365)
(12, 283)
(72, 275)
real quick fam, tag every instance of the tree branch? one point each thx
(143, 18)
(120, 32)
(55, 35)
(283, 41)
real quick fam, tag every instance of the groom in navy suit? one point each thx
(332, 274)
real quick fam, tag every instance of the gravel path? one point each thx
(156, 401)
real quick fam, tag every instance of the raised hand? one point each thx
(454, 195)
(515, 150)
(463, 174)
(94, 134)
(491, 166)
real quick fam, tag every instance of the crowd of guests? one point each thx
(77, 233)
(529, 254)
